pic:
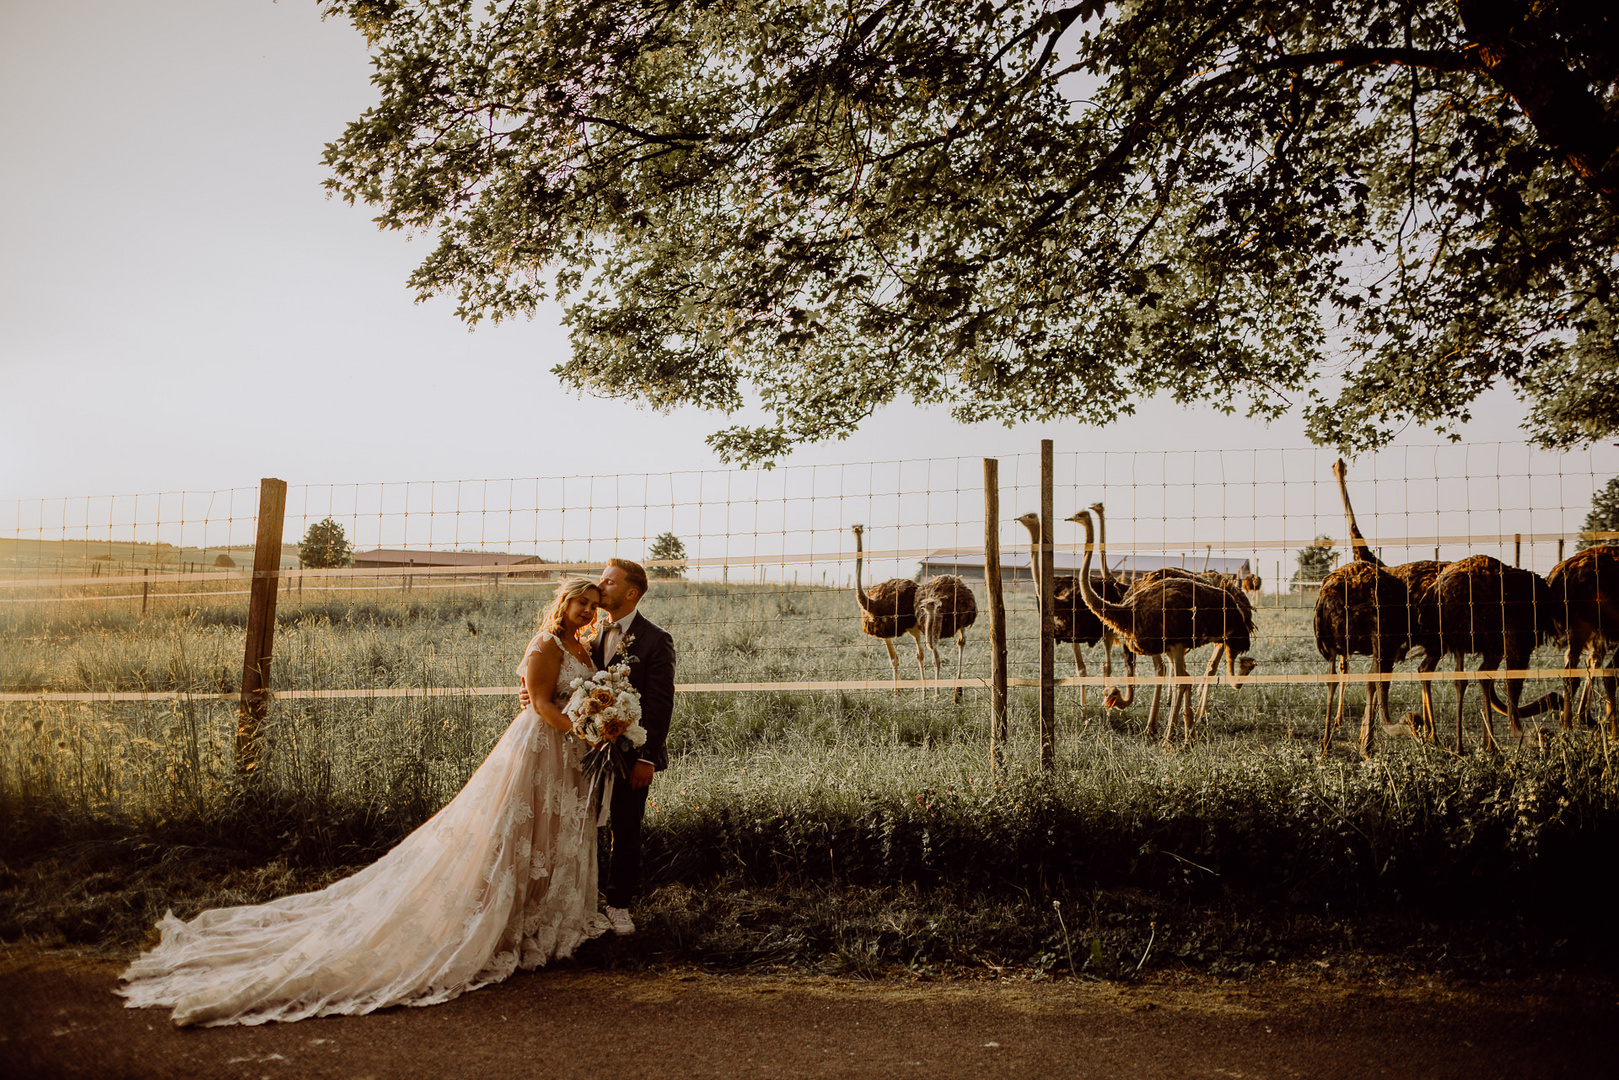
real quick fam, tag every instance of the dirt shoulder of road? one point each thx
(60, 1019)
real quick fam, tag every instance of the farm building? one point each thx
(478, 563)
(1017, 570)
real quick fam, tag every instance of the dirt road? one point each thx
(58, 1019)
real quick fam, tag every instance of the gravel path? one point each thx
(58, 1019)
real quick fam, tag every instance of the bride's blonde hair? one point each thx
(567, 589)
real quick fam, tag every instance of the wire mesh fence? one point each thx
(122, 618)
(763, 595)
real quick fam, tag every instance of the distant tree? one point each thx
(325, 546)
(225, 561)
(668, 546)
(1317, 560)
(1604, 515)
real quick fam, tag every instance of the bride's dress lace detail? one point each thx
(504, 877)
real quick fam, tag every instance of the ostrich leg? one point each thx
(1425, 726)
(921, 672)
(1573, 711)
(1157, 694)
(1180, 701)
(1188, 723)
(893, 661)
(1599, 654)
(1376, 698)
(1519, 661)
(1334, 688)
(1486, 672)
(1079, 665)
(1208, 675)
(933, 646)
(1461, 693)
(961, 657)
(1512, 708)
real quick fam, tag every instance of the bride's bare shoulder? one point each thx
(544, 642)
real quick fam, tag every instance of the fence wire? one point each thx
(134, 599)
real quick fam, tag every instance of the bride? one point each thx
(504, 877)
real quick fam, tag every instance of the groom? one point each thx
(650, 652)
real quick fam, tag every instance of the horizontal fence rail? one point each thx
(1310, 678)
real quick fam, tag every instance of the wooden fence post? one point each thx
(260, 624)
(997, 611)
(1048, 641)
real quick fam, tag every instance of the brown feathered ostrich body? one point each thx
(1481, 605)
(1149, 580)
(1361, 610)
(945, 607)
(887, 610)
(1585, 587)
(1169, 618)
(1417, 578)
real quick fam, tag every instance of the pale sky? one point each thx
(182, 308)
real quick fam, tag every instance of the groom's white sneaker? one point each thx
(619, 920)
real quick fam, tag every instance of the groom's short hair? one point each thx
(634, 573)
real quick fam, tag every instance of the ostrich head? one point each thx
(1245, 668)
(1339, 469)
(927, 619)
(858, 530)
(1031, 521)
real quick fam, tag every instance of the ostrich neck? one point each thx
(1034, 557)
(859, 555)
(1119, 616)
(1363, 550)
(1101, 528)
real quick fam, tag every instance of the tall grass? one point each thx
(775, 788)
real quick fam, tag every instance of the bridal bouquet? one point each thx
(606, 713)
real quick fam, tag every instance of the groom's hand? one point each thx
(522, 696)
(641, 774)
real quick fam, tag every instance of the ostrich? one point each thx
(1071, 620)
(1588, 616)
(887, 611)
(1481, 605)
(1209, 577)
(1170, 617)
(1418, 578)
(1361, 610)
(945, 607)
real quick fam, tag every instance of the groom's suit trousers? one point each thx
(624, 856)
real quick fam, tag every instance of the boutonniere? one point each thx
(624, 644)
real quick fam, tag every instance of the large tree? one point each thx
(1369, 210)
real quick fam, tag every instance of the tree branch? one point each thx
(1367, 56)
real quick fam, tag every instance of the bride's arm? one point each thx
(540, 669)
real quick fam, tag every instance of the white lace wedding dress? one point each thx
(504, 877)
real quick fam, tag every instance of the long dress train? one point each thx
(503, 877)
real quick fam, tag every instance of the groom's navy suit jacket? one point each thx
(651, 654)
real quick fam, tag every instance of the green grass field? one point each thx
(779, 791)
